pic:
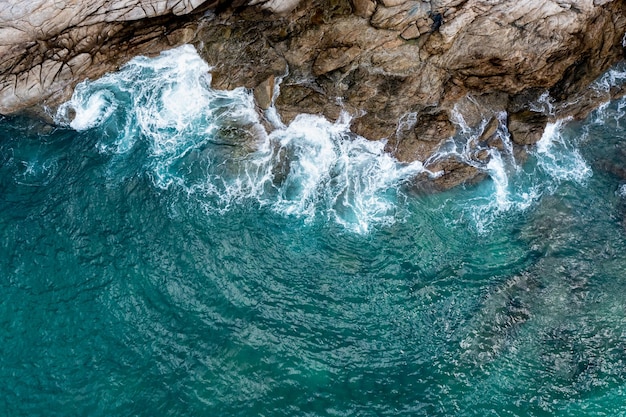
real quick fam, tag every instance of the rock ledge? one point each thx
(406, 69)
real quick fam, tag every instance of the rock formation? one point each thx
(405, 69)
(46, 46)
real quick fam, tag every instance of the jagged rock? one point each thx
(411, 32)
(364, 8)
(490, 131)
(490, 137)
(433, 127)
(391, 3)
(334, 58)
(526, 127)
(380, 61)
(454, 172)
(399, 14)
(264, 93)
(479, 48)
(418, 135)
(46, 46)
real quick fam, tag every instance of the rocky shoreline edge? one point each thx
(412, 72)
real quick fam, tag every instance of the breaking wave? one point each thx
(213, 145)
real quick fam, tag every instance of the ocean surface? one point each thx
(162, 255)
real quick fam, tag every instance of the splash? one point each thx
(503, 192)
(211, 144)
(512, 187)
(559, 157)
(613, 77)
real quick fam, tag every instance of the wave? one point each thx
(212, 145)
(513, 186)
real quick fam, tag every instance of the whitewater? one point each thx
(169, 249)
(213, 144)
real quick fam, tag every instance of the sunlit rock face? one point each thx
(47, 46)
(409, 71)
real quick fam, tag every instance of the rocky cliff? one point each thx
(47, 46)
(411, 71)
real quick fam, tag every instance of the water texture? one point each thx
(161, 254)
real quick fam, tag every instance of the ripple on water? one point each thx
(132, 287)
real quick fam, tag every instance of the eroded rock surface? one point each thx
(402, 68)
(47, 46)
(405, 69)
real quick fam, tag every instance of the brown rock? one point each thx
(434, 127)
(294, 98)
(334, 58)
(527, 127)
(392, 3)
(454, 173)
(411, 32)
(401, 15)
(490, 137)
(364, 8)
(379, 61)
(264, 93)
(490, 130)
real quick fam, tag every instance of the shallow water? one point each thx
(161, 255)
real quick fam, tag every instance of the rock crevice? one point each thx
(400, 67)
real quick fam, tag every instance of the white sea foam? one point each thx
(559, 157)
(211, 145)
(516, 189)
(504, 192)
(90, 109)
(613, 77)
(513, 188)
(497, 171)
(544, 104)
(349, 175)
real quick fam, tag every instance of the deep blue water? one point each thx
(162, 256)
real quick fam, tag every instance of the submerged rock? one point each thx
(382, 61)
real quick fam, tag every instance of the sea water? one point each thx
(165, 250)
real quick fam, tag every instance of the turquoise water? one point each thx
(162, 256)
